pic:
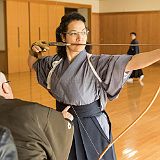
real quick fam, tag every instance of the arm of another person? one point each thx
(60, 132)
(7, 147)
(143, 60)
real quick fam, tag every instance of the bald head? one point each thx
(5, 89)
(2, 78)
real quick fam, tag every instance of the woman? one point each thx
(85, 82)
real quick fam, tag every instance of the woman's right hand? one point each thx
(38, 47)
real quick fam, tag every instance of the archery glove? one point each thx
(38, 47)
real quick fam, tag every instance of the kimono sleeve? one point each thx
(111, 70)
(42, 68)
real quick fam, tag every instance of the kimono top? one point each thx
(75, 83)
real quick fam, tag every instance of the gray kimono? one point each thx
(75, 84)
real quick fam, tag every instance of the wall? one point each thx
(120, 17)
(94, 3)
(117, 26)
(128, 5)
(3, 56)
(84, 12)
(95, 32)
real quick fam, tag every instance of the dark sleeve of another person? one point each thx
(7, 147)
(60, 134)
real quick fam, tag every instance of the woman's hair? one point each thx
(62, 29)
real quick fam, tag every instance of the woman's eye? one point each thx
(74, 33)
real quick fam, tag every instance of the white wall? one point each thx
(94, 3)
(128, 5)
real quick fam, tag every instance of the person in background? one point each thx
(85, 82)
(39, 132)
(133, 50)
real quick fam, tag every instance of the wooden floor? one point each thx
(142, 142)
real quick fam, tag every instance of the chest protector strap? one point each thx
(92, 68)
(54, 65)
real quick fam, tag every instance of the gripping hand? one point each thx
(38, 47)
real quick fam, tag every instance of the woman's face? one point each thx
(77, 34)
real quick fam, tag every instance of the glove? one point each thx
(38, 47)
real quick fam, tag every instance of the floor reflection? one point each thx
(134, 93)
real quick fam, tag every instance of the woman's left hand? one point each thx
(66, 114)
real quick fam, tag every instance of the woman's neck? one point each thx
(71, 55)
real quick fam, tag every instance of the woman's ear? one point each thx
(63, 38)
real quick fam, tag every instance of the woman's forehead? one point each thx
(76, 25)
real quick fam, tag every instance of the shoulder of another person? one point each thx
(28, 104)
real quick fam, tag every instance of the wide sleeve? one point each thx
(42, 67)
(111, 69)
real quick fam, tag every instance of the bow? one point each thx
(131, 125)
(62, 44)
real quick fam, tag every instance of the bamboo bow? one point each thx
(62, 44)
(131, 125)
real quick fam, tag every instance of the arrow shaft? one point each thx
(100, 44)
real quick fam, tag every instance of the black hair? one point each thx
(63, 27)
(134, 33)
